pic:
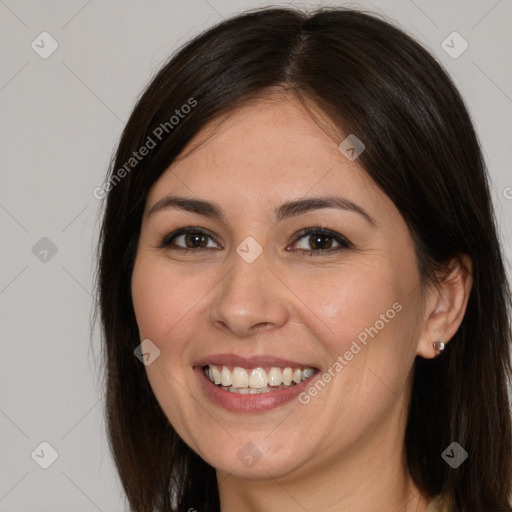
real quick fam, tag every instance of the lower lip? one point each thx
(260, 402)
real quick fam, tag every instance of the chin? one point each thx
(256, 460)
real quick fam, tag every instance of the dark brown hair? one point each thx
(375, 81)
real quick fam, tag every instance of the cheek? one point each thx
(349, 300)
(366, 317)
(163, 307)
(149, 301)
(159, 299)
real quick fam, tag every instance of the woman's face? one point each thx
(250, 290)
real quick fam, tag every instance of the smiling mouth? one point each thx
(256, 380)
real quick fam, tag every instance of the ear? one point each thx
(445, 305)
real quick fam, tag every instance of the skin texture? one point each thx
(342, 451)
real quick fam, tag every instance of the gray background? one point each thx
(61, 118)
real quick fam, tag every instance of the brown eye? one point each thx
(188, 239)
(320, 241)
(193, 240)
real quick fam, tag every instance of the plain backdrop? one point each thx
(61, 115)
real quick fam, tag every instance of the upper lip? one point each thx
(250, 361)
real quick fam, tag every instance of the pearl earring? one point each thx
(438, 346)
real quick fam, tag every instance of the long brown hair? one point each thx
(373, 80)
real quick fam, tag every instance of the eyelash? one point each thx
(342, 241)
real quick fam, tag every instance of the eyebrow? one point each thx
(286, 210)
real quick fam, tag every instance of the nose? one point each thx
(249, 299)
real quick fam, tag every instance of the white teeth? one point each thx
(239, 378)
(256, 380)
(225, 377)
(246, 391)
(275, 377)
(307, 372)
(216, 375)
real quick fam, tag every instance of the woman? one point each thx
(301, 287)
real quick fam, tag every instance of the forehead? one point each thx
(268, 151)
